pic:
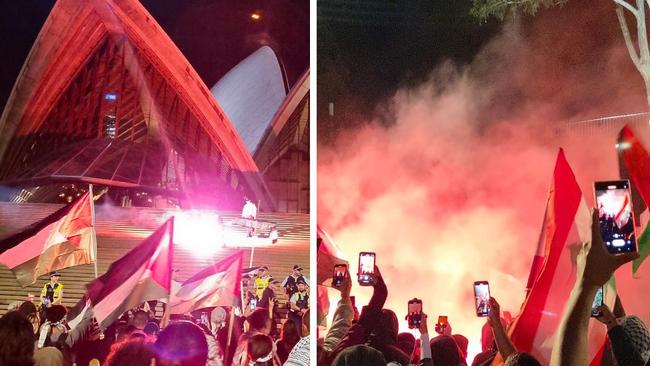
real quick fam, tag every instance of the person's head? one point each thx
(48, 356)
(131, 352)
(28, 309)
(261, 350)
(55, 313)
(360, 355)
(260, 321)
(55, 276)
(289, 333)
(462, 342)
(16, 340)
(406, 342)
(302, 285)
(151, 329)
(262, 271)
(387, 325)
(274, 284)
(638, 335)
(444, 351)
(181, 343)
(297, 270)
(521, 359)
(140, 319)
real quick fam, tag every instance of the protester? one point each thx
(16, 340)
(629, 337)
(288, 339)
(259, 322)
(181, 343)
(261, 351)
(595, 267)
(131, 352)
(299, 355)
(28, 309)
(48, 356)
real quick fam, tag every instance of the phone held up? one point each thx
(615, 215)
(340, 273)
(442, 324)
(482, 298)
(598, 302)
(366, 275)
(414, 316)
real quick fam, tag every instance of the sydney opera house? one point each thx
(106, 98)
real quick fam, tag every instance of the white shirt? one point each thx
(249, 210)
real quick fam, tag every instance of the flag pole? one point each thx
(167, 313)
(92, 214)
(230, 329)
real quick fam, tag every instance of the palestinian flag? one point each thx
(143, 274)
(217, 285)
(566, 226)
(637, 163)
(63, 239)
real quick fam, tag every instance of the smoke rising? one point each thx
(454, 188)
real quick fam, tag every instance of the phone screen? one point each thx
(482, 298)
(615, 216)
(443, 320)
(340, 272)
(253, 304)
(414, 316)
(598, 302)
(366, 268)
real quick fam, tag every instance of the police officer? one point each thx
(298, 304)
(290, 283)
(52, 292)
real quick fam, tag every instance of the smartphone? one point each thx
(414, 316)
(615, 215)
(366, 275)
(443, 322)
(482, 298)
(253, 303)
(598, 302)
(340, 272)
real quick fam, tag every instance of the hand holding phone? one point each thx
(482, 298)
(366, 275)
(443, 327)
(615, 215)
(414, 316)
(340, 273)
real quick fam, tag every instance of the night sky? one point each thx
(213, 35)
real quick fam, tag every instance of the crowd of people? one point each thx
(39, 334)
(371, 338)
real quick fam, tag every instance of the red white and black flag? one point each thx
(216, 285)
(143, 274)
(63, 239)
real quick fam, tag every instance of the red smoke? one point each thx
(454, 189)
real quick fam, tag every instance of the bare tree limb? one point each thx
(642, 38)
(627, 6)
(628, 38)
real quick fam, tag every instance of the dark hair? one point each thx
(182, 342)
(140, 319)
(445, 351)
(27, 308)
(406, 342)
(360, 355)
(260, 345)
(16, 340)
(55, 313)
(151, 329)
(462, 342)
(259, 319)
(522, 359)
(132, 352)
(290, 334)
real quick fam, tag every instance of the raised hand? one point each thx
(606, 317)
(599, 264)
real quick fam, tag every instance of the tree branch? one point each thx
(642, 38)
(629, 7)
(628, 39)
